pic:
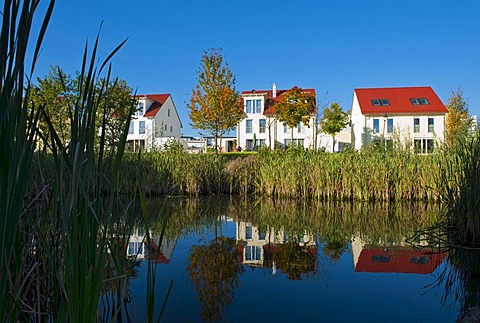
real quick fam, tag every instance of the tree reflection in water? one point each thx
(214, 270)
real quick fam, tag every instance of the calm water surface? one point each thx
(281, 261)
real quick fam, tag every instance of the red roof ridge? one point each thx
(393, 87)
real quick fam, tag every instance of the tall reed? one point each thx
(17, 141)
(461, 190)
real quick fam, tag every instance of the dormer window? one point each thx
(378, 102)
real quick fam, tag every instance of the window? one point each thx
(249, 145)
(139, 111)
(258, 106)
(424, 101)
(171, 129)
(419, 260)
(416, 125)
(380, 258)
(430, 146)
(141, 129)
(417, 146)
(285, 128)
(299, 127)
(261, 143)
(248, 106)
(424, 146)
(131, 128)
(389, 125)
(248, 232)
(253, 253)
(248, 125)
(415, 101)
(298, 142)
(135, 248)
(261, 235)
(262, 123)
(431, 125)
(378, 102)
(168, 112)
(376, 126)
(253, 106)
(419, 101)
(165, 127)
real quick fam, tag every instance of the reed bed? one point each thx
(372, 176)
(350, 176)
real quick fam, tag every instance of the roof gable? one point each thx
(399, 99)
(159, 101)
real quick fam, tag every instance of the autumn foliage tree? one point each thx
(333, 120)
(215, 105)
(295, 106)
(457, 122)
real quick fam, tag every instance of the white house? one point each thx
(413, 117)
(154, 123)
(259, 128)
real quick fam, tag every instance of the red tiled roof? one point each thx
(155, 107)
(399, 98)
(270, 100)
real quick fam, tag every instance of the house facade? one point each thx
(410, 117)
(154, 123)
(261, 129)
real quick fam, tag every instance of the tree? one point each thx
(295, 106)
(215, 105)
(52, 92)
(58, 92)
(457, 122)
(333, 120)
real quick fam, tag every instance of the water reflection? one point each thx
(222, 237)
(294, 256)
(393, 258)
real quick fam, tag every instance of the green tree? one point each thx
(59, 92)
(215, 105)
(457, 122)
(295, 106)
(53, 92)
(333, 120)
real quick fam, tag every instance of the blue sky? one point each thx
(332, 46)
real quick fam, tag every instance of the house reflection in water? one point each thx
(393, 258)
(293, 255)
(138, 247)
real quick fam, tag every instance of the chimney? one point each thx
(274, 90)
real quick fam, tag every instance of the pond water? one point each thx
(233, 260)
